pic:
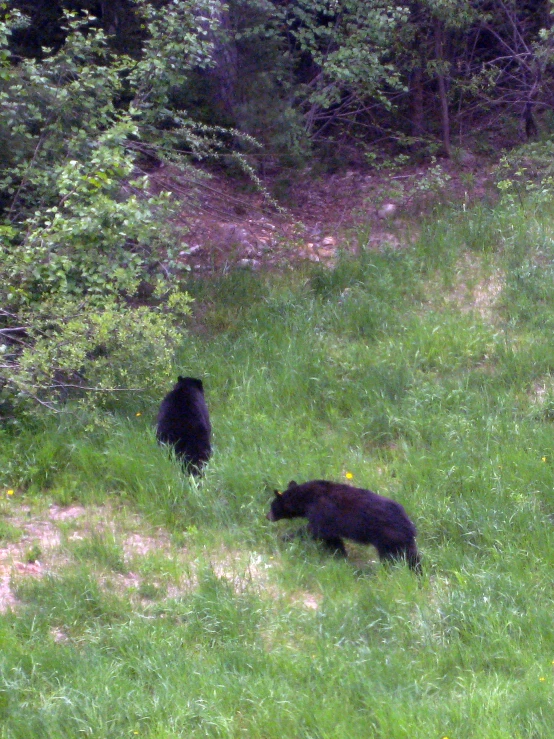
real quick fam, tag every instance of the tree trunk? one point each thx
(416, 95)
(225, 69)
(441, 80)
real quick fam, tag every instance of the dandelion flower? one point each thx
(349, 476)
(138, 414)
(10, 492)
(544, 459)
(542, 679)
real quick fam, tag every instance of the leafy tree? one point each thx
(89, 285)
(348, 43)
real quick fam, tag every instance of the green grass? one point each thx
(102, 549)
(383, 367)
(9, 533)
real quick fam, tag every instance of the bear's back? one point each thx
(355, 513)
(184, 409)
(184, 422)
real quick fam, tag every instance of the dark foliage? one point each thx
(47, 27)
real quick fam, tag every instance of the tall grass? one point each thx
(386, 367)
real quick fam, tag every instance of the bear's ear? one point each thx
(277, 493)
(293, 484)
(190, 382)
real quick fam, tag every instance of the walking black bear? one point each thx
(184, 422)
(335, 510)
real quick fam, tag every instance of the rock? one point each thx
(234, 234)
(387, 210)
(249, 263)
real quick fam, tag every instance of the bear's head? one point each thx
(187, 382)
(280, 507)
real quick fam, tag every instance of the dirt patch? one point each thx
(307, 600)
(57, 513)
(487, 293)
(139, 545)
(7, 598)
(153, 567)
(252, 571)
(24, 558)
(224, 226)
(474, 291)
(40, 548)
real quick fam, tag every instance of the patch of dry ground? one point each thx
(224, 227)
(475, 291)
(153, 565)
(45, 538)
(473, 288)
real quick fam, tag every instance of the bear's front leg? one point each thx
(336, 545)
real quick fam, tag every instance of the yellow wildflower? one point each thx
(10, 492)
(137, 415)
(349, 476)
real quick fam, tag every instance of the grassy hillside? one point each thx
(426, 373)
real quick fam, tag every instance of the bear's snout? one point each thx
(270, 516)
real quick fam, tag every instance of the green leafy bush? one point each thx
(90, 290)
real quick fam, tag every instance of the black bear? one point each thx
(184, 422)
(335, 510)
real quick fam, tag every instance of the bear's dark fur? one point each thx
(335, 510)
(184, 422)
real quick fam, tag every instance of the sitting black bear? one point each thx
(184, 422)
(335, 510)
